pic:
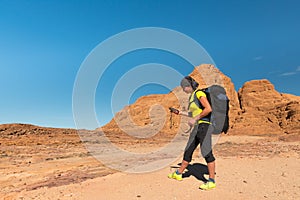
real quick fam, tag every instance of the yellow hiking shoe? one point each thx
(208, 185)
(175, 176)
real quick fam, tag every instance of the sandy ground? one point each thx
(237, 178)
(248, 167)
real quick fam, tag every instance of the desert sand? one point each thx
(248, 167)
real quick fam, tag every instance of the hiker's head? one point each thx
(188, 84)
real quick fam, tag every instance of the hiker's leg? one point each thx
(183, 166)
(206, 149)
(204, 136)
(187, 156)
(192, 144)
(211, 169)
(211, 164)
(211, 183)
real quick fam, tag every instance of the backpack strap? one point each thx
(195, 99)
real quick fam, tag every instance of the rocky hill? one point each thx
(257, 108)
(266, 111)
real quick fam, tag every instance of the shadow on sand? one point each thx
(197, 170)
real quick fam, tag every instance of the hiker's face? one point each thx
(188, 89)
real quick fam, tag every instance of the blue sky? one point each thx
(44, 43)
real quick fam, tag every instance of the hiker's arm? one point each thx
(184, 113)
(179, 112)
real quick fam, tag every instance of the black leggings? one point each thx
(201, 134)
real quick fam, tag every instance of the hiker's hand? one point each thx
(174, 110)
(192, 122)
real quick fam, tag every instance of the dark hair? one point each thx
(192, 81)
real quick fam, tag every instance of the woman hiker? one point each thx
(200, 134)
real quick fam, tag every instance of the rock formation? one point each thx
(257, 108)
(266, 111)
